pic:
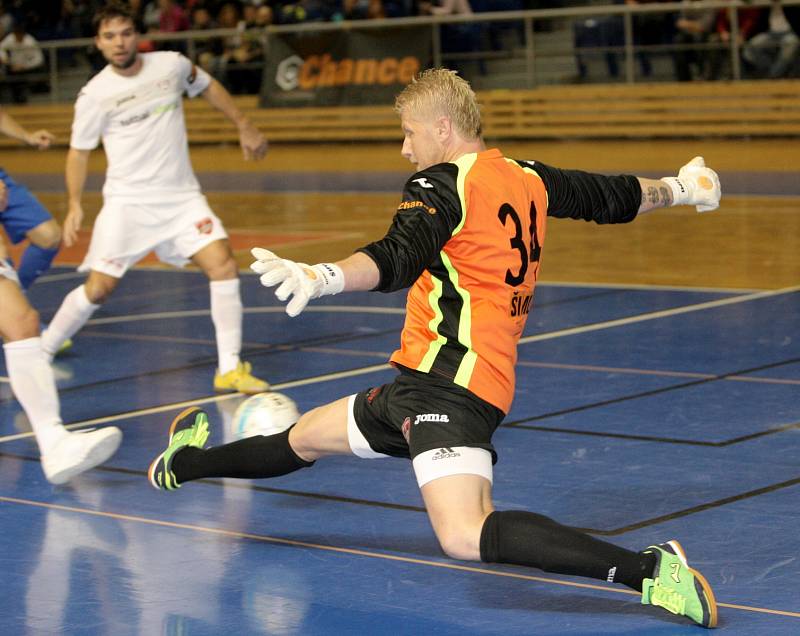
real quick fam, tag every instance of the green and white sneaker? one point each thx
(678, 588)
(189, 428)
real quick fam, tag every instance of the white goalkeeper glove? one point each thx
(696, 185)
(302, 282)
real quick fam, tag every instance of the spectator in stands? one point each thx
(264, 16)
(601, 32)
(6, 20)
(456, 38)
(693, 26)
(773, 51)
(246, 62)
(445, 7)
(362, 9)
(496, 30)
(202, 20)
(171, 17)
(307, 11)
(222, 49)
(228, 16)
(398, 8)
(81, 17)
(150, 15)
(21, 57)
(748, 19)
(48, 19)
(649, 29)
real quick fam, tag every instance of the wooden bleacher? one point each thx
(640, 111)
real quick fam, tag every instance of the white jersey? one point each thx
(140, 121)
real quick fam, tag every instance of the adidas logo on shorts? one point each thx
(445, 453)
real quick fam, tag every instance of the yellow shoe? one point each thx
(240, 379)
(65, 346)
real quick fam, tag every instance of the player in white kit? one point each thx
(65, 454)
(152, 200)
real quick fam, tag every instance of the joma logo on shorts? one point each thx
(431, 417)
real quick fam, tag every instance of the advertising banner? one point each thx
(343, 67)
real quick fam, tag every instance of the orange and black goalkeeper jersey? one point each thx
(467, 237)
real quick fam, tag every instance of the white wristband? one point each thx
(680, 190)
(332, 278)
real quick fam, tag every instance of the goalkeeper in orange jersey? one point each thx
(467, 239)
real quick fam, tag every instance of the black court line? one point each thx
(245, 486)
(520, 424)
(250, 353)
(663, 440)
(718, 503)
(124, 295)
(578, 298)
(268, 349)
(707, 506)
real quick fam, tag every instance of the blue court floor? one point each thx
(641, 415)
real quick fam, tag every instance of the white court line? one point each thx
(4, 379)
(49, 278)
(360, 309)
(657, 372)
(208, 400)
(248, 272)
(401, 311)
(248, 310)
(713, 290)
(610, 324)
(378, 367)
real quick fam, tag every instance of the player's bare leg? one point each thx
(99, 286)
(46, 235)
(45, 239)
(217, 262)
(322, 431)
(458, 527)
(64, 454)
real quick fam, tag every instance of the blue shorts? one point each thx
(23, 212)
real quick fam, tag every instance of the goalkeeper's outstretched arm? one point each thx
(696, 185)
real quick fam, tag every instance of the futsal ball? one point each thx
(264, 414)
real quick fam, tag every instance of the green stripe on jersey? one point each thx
(433, 348)
(467, 365)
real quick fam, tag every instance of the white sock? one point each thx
(34, 386)
(70, 317)
(226, 314)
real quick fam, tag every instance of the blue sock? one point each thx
(34, 262)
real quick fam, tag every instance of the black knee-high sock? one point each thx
(250, 458)
(526, 538)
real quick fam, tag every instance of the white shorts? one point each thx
(126, 231)
(8, 271)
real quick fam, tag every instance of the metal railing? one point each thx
(530, 50)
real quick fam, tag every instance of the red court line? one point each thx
(241, 241)
(357, 552)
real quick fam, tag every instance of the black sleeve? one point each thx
(424, 222)
(573, 194)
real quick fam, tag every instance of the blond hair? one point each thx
(439, 92)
